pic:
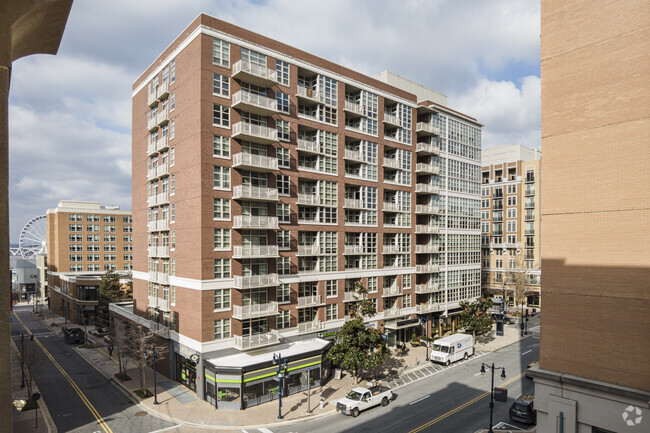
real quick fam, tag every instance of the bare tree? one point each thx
(30, 355)
(119, 343)
(516, 279)
(139, 347)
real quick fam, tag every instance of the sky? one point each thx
(70, 114)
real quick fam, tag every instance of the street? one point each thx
(78, 397)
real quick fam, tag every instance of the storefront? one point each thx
(186, 371)
(399, 332)
(250, 378)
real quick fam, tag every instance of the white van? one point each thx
(452, 348)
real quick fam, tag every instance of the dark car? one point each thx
(506, 319)
(523, 409)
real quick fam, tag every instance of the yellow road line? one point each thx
(462, 406)
(83, 397)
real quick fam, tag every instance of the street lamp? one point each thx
(424, 321)
(503, 376)
(155, 353)
(282, 365)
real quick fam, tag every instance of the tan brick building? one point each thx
(84, 239)
(266, 182)
(594, 373)
(510, 224)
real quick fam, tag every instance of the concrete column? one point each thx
(200, 379)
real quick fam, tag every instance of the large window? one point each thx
(332, 312)
(220, 146)
(283, 293)
(220, 115)
(283, 130)
(331, 288)
(221, 239)
(221, 209)
(284, 158)
(221, 299)
(282, 69)
(220, 53)
(221, 329)
(283, 320)
(221, 268)
(284, 213)
(220, 86)
(283, 184)
(221, 178)
(284, 265)
(283, 101)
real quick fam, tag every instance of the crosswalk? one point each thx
(427, 371)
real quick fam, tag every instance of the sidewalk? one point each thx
(180, 405)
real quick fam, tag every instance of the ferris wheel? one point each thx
(33, 237)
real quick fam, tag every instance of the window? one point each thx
(283, 130)
(284, 265)
(284, 158)
(172, 184)
(172, 128)
(284, 239)
(512, 213)
(372, 284)
(220, 146)
(75, 217)
(283, 185)
(76, 238)
(332, 312)
(127, 220)
(331, 289)
(512, 226)
(92, 218)
(283, 319)
(512, 201)
(172, 71)
(221, 299)
(221, 239)
(282, 69)
(172, 212)
(77, 227)
(172, 240)
(221, 329)
(221, 268)
(221, 178)
(221, 209)
(253, 57)
(283, 293)
(172, 101)
(220, 115)
(172, 157)
(406, 301)
(220, 86)
(109, 228)
(284, 213)
(283, 101)
(220, 53)
(76, 257)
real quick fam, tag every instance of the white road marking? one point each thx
(419, 400)
(264, 430)
(503, 425)
(477, 373)
(167, 429)
(528, 351)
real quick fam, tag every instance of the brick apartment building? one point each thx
(266, 182)
(84, 239)
(510, 223)
(594, 374)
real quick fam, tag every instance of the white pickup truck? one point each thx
(363, 398)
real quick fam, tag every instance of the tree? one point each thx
(475, 317)
(110, 290)
(356, 345)
(119, 343)
(30, 356)
(138, 341)
(516, 279)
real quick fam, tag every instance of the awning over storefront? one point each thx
(401, 324)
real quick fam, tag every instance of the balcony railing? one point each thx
(427, 249)
(256, 310)
(351, 297)
(309, 301)
(391, 163)
(160, 171)
(255, 222)
(152, 124)
(309, 199)
(313, 326)
(158, 303)
(254, 73)
(530, 204)
(309, 146)
(354, 155)
(427, 308)
(354, 249)
(252, 281)
(254, 103)
(427, 209)
(247, 192)
(424, 127)
(424, 229)
(310, 94)
(354, 108)
(354, 203)
(427, 288)
(258, 133)
(255, 162)
(391, 291)
(395, 249)
(425, 188)
(427, 168)
(257, 340)
(391, 119)
(158, 199)
(158, 145)
(162, 117)
(151, 98)
(254, 251)
(158, 251)
(163, 90)
(427, 269)
(394, 207)
(392, 312)
(308, 250)
(516, 245)
(427, 148)
(158, 226)
(159, 277)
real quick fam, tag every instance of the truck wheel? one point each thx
(447, 363)
(355, 412)
(384, 402)
(465, 357)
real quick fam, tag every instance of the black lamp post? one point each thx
(425, 321)
(155, 353)
(503, 376)
(282, 365)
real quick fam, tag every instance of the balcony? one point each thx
(152, 125)
(158, 303)
(353, 203)
(162, 143)
(240, 312)
(254, 162)
(427, 209)
(253, 281)
(427, 288)
(309, 146)
(258, 193)
(313, 326)
(395, 249)
(351, 297)
(425, 188)
(310, 95)
(158, 226)
(427, 269)
(156, 172)
(308, 250)
(394, 207)
(354, 249)
(392, 312)
(391, 163)
(353, 108)
(254, 103)
(427, 168)
(151, 98)
(425, 229)
(255, 222)
(254, 251)
(254, 73)
(391, 291)
(427, 149)
(512, 245)
(427, 249)
(257, 340)
(163, 90)
(310, 301)
(309, 199)
(162, 117)
(256, 133)
(530, 204)
(158, 251)
(158, 199)
(391, 119)
(428, 308)
(354, 155)
(158, 277)
(423, 128)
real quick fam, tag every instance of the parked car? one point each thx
(523, 409)
(73, 335)
(506, 319)
(452, 348)
(364, 398)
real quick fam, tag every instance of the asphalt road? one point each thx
(78, 397)
(455, 401)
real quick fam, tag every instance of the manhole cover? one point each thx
(141, 413)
